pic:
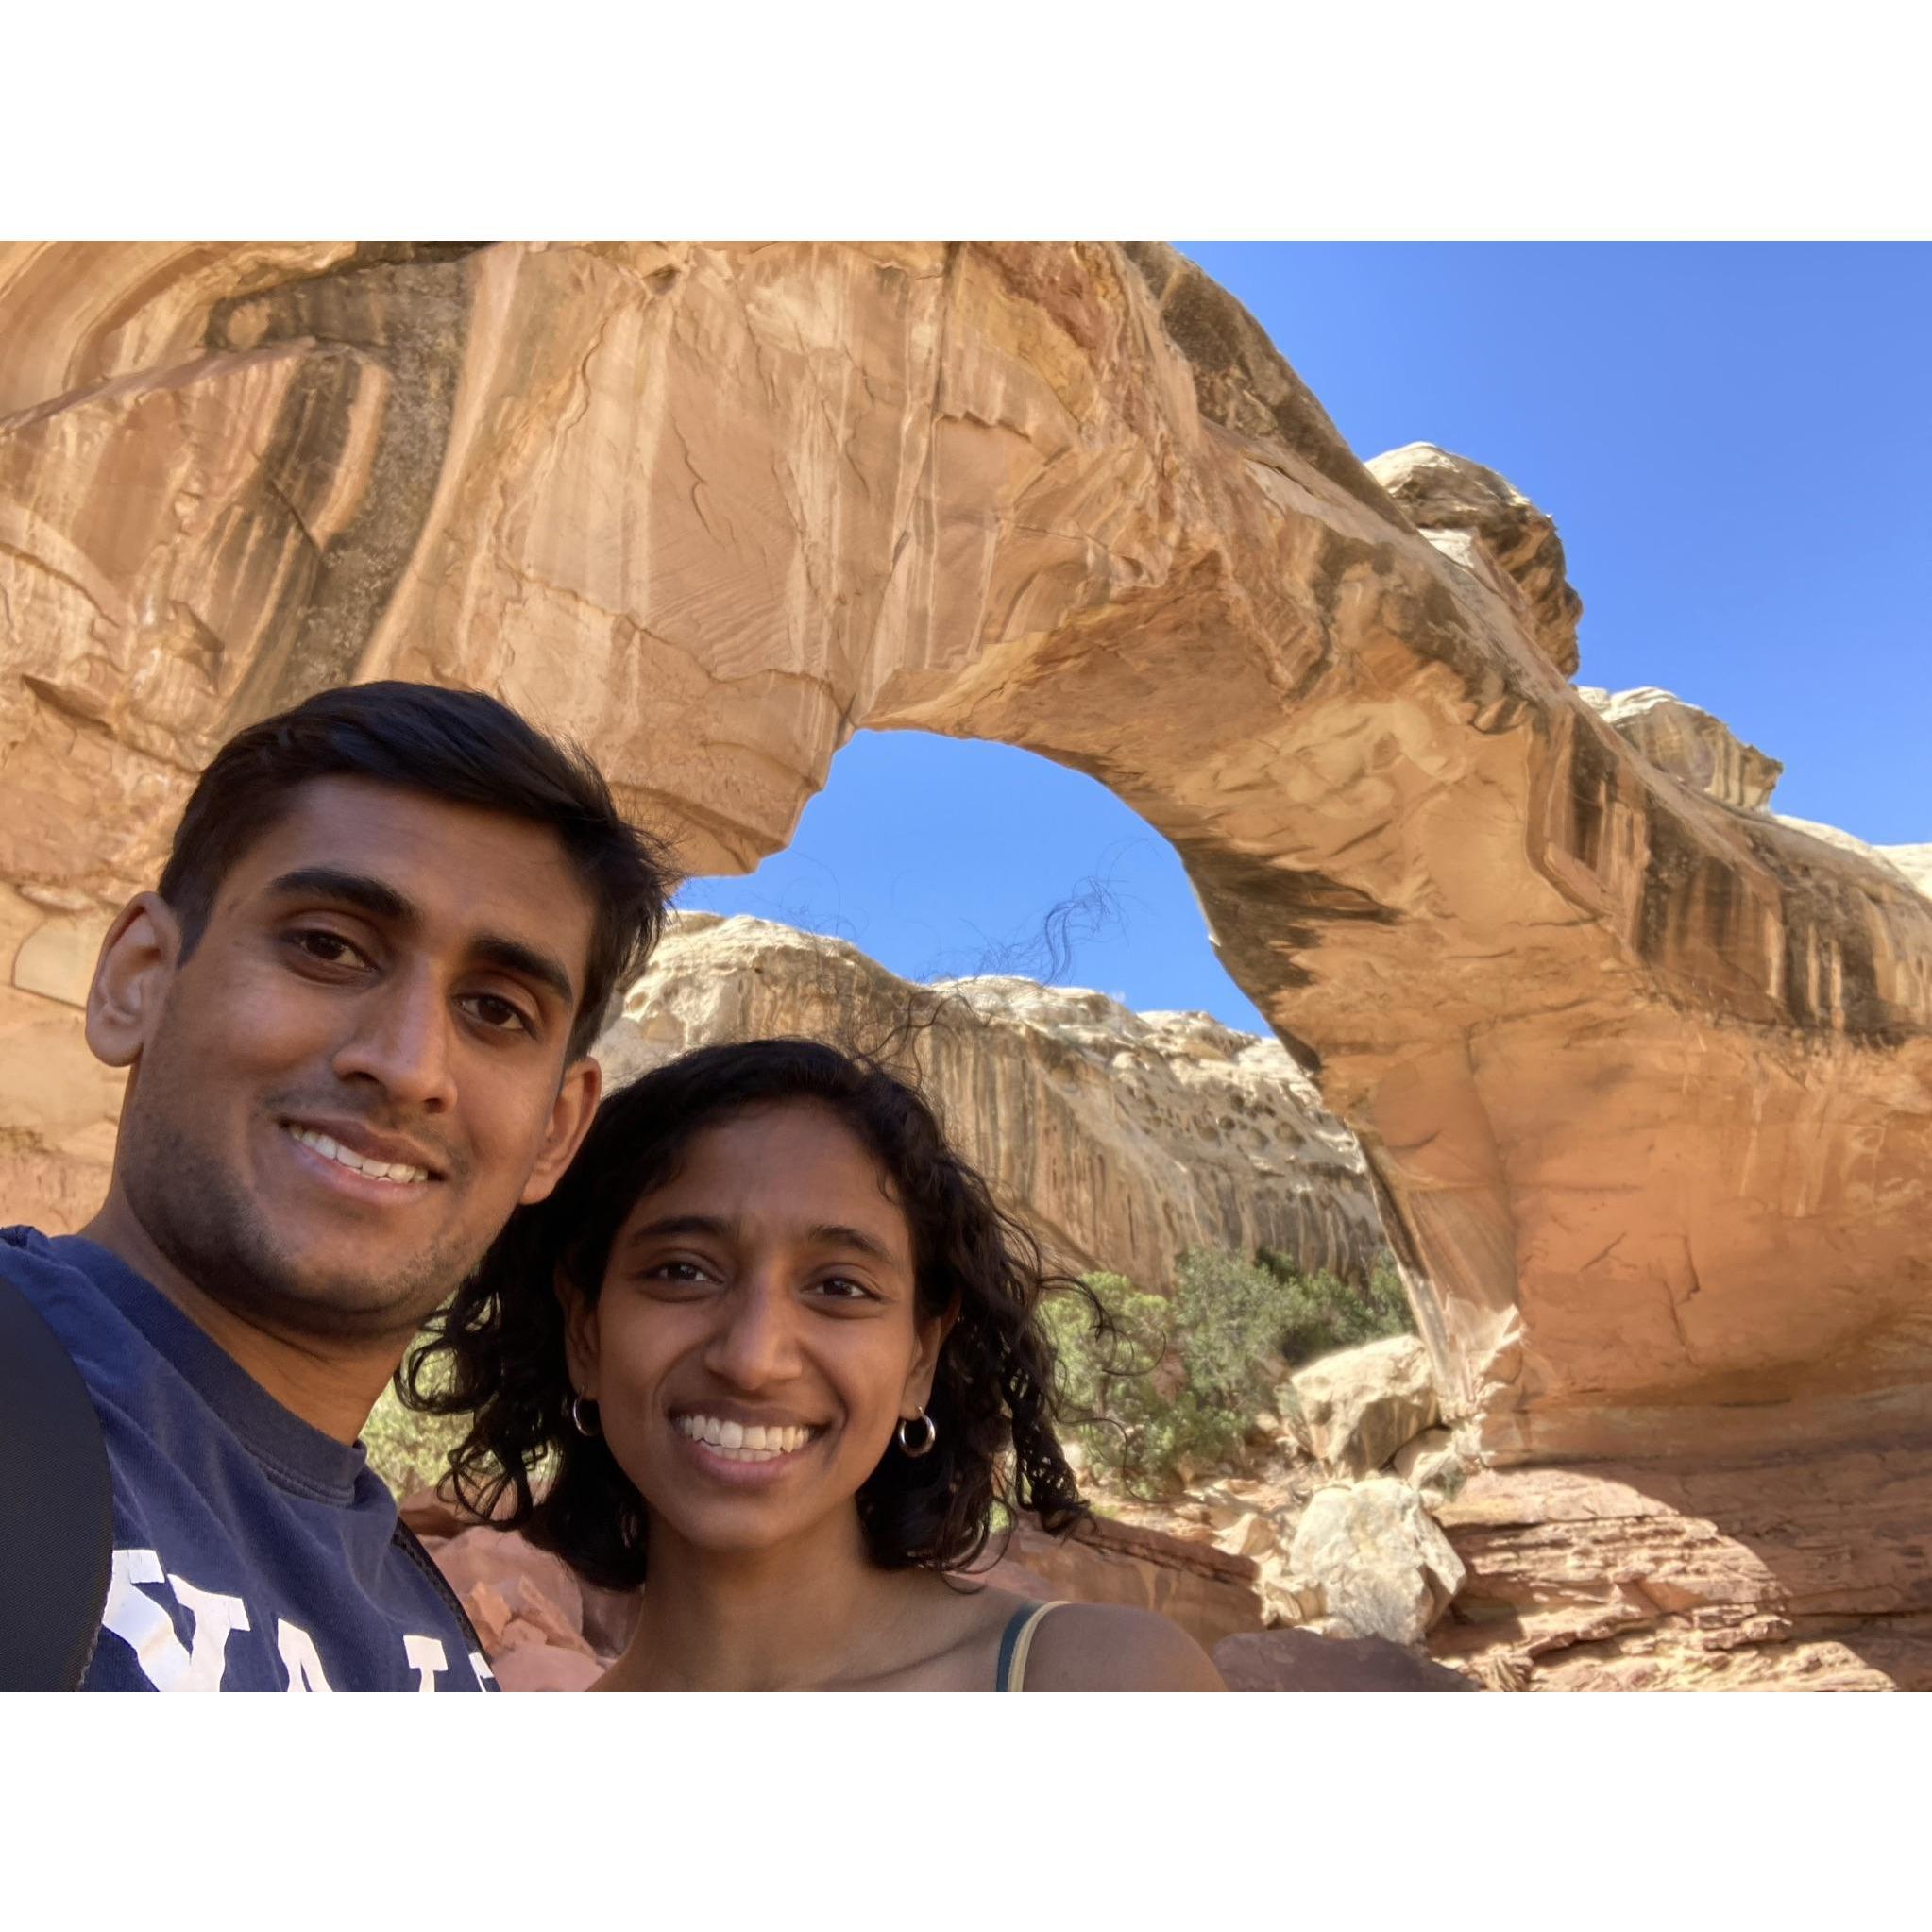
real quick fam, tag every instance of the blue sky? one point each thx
(1736, 441)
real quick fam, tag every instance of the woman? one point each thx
(784, 1354)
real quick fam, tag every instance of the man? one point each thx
(357, 1014)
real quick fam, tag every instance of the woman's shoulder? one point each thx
(1113, 1647)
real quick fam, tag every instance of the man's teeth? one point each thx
(376, 1170)
(745, 1441)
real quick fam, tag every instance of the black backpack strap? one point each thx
(56, 1507)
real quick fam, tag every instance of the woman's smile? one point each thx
(743, 1454)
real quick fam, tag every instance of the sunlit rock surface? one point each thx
(1488, 526)
(1689, 743)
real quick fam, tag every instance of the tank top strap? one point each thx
(1016, 1640)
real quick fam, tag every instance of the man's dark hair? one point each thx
(498, 1350)
(456, 745)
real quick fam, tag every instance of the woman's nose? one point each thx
(756, 1341)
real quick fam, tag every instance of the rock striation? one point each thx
(1120, 1137)
(1643, 1082)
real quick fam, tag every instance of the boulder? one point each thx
(1288, 1600)
(1360, 1406)
(1300, 1660)
(1385, 1570)
(1432, 1466)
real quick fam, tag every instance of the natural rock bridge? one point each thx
(1645, 1080)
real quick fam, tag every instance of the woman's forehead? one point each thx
(784, 1167)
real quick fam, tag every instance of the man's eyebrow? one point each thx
(380, 900)
(351, 889)
(513, 955)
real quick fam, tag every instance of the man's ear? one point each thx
(570, 1117)
(580, 1334)
(131, 978)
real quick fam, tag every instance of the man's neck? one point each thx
(330, 1387)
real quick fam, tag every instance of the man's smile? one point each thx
(392, 1167)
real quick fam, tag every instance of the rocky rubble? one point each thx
(1337, 1516)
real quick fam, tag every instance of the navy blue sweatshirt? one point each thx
(251, 1552)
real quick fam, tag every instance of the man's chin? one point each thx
(350, 1296)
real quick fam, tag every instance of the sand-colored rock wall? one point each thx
(1645, 1083)
(1121, 1138)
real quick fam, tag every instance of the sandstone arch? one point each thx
(1646, 1081)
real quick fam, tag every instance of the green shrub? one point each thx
(1319, 1313)
(407, 1449)
(1178, 1384)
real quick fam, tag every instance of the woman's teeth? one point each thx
(376, 1170)
(745, 1441)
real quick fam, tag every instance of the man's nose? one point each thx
(401, 1042)
(756, 1343)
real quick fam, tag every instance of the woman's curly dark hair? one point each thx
(497, 1348)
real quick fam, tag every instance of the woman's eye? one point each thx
(843, 1288)
(678, 1271)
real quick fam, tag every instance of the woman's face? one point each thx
(756, 1339)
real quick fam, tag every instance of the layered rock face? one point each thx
(1644, 1082)
(1493, 530)
(1119, 1138)
(1689, 743)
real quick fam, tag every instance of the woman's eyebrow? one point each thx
(713, 1225)
(836, 1234)
(723, 1227)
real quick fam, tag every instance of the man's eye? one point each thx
(499, 1014)
(328, 948)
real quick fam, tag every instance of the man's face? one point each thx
(360, 1070)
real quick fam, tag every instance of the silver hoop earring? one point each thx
(932, 1435)
(577, 1421)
